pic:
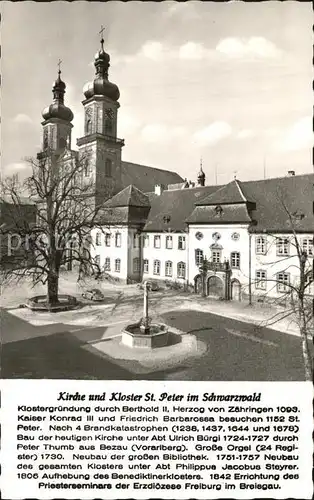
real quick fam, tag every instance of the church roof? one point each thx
(146, 178)
(128, 197)
(231, 193)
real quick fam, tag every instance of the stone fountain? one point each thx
(145, 334)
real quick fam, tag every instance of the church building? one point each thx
(155, 225)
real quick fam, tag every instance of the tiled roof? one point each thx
(296, 193)
(146, 178)
(235, 214)
(231, 193)
(270, 196)
(128, 197)
(178, 204)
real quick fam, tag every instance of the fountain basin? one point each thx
(132, 336)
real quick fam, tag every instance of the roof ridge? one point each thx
(238, 183)
(149, 166)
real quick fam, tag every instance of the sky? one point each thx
(230, 83)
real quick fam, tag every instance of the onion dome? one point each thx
(57, 109)
(101, 85)
(201, 176)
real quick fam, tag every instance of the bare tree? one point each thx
(61, 188)
(294, 294)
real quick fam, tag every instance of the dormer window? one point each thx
(218, 210)
(166, 219)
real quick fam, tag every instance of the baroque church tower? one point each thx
(57, 126)
(100, 144)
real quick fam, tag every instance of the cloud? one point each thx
(299, 136)
(245, 134)
(192, 51)
(258, 47)
(157, 132)
(152, 50)
(213, 133)
(21, 118)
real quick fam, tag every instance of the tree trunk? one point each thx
(306, 350)
(52, 288)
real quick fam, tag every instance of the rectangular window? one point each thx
(168, 268)
(198, 257)
(145, 240)
(260, 280)
(216, 256)
(118, 239)
(98, 239)
(282, 245)
(260, 245)
(145, 266)
(235, 260)
(107, 239)
(181, 243)
(307, 246)
(283, 281)
(169, 242)
(136, 265)
(181, 270)
(156, 266)
(156, 241)
(97, 260)
(117, 265)
(107, 264)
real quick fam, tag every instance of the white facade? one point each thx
(260, 259)
(170, 250)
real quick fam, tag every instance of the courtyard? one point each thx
(214, 340)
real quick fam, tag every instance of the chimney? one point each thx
(291, 173)
(159, 189)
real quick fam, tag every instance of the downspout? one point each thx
(250, 269)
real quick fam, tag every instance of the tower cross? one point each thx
(101, 32)
(59, 64)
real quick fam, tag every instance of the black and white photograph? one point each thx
(157, 191)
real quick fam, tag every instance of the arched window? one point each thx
(108, 168)
(168, 268)
(181, 270)
(88, 127)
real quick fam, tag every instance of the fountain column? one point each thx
(145, 324)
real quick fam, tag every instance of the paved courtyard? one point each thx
(215, 340)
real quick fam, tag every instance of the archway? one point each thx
(235, 290)
(215, 286)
